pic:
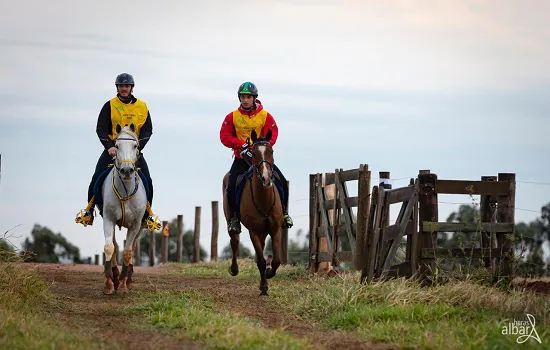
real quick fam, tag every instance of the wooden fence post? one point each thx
(313, 240)
(196, 235)
(96, 259)
(384, 181)
(427, 211)
(179, 244)
(89, 260)
(284, 239)
(506, 213)
(363, 209)
(487, 214)
(152, 248)
(214, 237)
(137, 251)
(164, 242)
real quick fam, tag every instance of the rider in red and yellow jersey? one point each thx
(235, 129)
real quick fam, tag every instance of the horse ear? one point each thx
(253, 136)
(268, 136)
(118, 128)
(133, 127)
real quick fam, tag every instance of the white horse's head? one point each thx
(127, 144)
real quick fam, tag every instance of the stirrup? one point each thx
(86, 216)
(152, 223)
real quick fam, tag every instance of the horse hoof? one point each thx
(269, 273)
(263, 293)
(122, 290)
(233, 270)
(108, 289)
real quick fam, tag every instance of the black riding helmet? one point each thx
(247, 88)
(124, 79)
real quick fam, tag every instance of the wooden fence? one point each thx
(374, 242)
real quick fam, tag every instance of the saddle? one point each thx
(98, 195)
(241, 180)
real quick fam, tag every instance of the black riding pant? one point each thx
(103, 162)
(240, 166)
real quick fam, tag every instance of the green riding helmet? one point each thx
(248, 88)
(124, 79)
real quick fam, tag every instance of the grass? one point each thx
(23, 324)
(197, 318)
(456, 315)
(460, 314)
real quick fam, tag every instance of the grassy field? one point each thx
(24, 321)
(201, 306)
(456, 315)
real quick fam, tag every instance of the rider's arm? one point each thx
(228, 136)
(145, 132)
(104, 126)
(271, 124)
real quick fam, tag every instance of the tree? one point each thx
(50, 247)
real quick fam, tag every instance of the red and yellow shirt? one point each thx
(238, 125)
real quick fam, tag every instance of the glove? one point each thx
(245, 153)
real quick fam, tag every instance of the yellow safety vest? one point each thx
(125, 114)
(244, 124)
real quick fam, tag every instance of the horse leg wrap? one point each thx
(124, 272)
(108, 268)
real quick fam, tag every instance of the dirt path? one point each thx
(81, 305)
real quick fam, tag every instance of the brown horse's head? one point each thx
(262, 158)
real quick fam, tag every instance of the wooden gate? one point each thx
(332, 219)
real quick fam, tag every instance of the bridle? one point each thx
(256, 168)
(117, 167)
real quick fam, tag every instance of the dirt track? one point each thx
(82, 305)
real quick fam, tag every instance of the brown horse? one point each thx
(261, 211)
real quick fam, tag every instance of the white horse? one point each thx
(124, 203)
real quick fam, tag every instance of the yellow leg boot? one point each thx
(152, 222)
(86, 216)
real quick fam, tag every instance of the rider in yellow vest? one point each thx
(236, 128)
(122, 110)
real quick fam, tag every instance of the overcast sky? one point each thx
(458, 87)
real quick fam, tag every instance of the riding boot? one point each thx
(234, 225)
(287, 220)
(86, 216)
